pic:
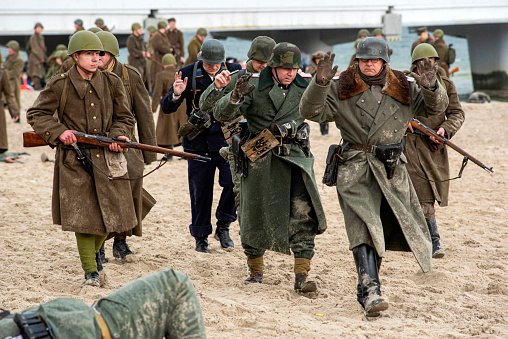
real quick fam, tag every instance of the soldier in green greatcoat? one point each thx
(280, 204)
(14, 64)
(372, 106)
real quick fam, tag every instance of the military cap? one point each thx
(151, 29)
(377, 31)
(135, 26)
(99, 21)
(109, 42)
(318, 55)
(363, 33)
(261, 48)
(38, 24)
(438, 33)
(78, 22)
(14, 45)
(168, 59)
(286, 55)
(161, 24)
(424, 50)
(202, 31)
(95, 29)
(372, 48)
(421, 30)
(171, 20)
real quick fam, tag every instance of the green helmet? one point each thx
(38, 24)
(61, 54)
(363, 33)
(356, 42)
(372, 48)
(84, 41)
(212, 52)
(109, 42)
(168, 59)
(99, 21)
(60, 47)
(424, 51)
(438, 33)
(14, 45)
(135, 26)
(285, 54)
(162, 24)
(95, 29)
(261, 48)
(151, 29)
(78, 22)
(377, 31)
(202, 31)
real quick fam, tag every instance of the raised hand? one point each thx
(179, 85)
(242, 88)
(427, 74)
(222, 79)
(325, 72)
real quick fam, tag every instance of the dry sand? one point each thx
(463, 296)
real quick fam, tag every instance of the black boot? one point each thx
(437, 250)
(303, 286)
(122, 251)
(366, 260)
(324, 128)
(222, 235)
(99, 261)
(202, 244)
(254, 277)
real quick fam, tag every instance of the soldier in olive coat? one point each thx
(37, 57)
(137, 50)
(442, 50)
(12, 105)
(87, 100)
(427, 159)
(280, 203)
(372, 106)
(161, 46)
(139, 105)
(195, 46)
(14, 64)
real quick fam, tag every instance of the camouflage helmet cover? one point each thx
(95, 29)
(13, 44)
(135, 26)
(168, 59)
(423, 51)
(212, 52)
(99, 21)
(109, 42)
(84, 41)
(372, 48)
(261, 48)
(78, 22)
(286, 55)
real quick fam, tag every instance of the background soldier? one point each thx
(423, 37)
(442, 50)
(428, 159)
(78, 26)
(161, 46)
(14, 64)
(291, 221)
(363, 33)
(87, 100)
(207, 140)
(174, 312)
(195, 46)
(137, 50)
(139, 105)
(312, 71)
(372, 105)
(37, 57)
(175, 37)
(12, 105)
(100, 23)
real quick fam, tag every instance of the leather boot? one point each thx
(202, 244)
(302, 267)
(222, 235)
(369, 291)
(437, 250)
(122, 251)
(256, 267)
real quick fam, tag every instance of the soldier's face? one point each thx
(89, 60)
(258, 65)
(172, 25)
(370, 67)
(104, 59)
(424, 36)
(285, 75)
(210, 68)
(11, 51)
(38, 29)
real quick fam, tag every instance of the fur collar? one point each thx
(396, 85)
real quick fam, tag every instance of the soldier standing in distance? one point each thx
(161, 46)
(137, 50)
(372, 106)
(12, 105)
(427, 159)
(85, 201)
(14, 64)
(100, 23)
(175, 37)
(423, 37)
(442, 50)
(78, 26)
(195, 46)
(37, 57)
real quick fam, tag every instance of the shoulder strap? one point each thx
(127, 84)
(194, 72)
(63, 97)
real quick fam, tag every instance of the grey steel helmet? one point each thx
(78, 22)
(212, 52)
(109, 42)
(85, 41)
(422, 51)
(261, 48)
(372, 48)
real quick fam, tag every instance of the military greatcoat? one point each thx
(37, 56)
(136, 46)
(161, 46)
(362, 182)
(193, 48)
(265, 215)
(99, 106)
(12, 105)
(14, 64)
(442, 51)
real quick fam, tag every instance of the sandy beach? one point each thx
(463, 296)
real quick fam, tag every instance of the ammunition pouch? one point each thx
(388, 154)
(31, 326)
(231, 128)
(241, 163)
(333, 159)
(198, 121)
(302, 138)
(259, 145)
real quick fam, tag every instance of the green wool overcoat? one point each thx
(362, 181)
(265, 209)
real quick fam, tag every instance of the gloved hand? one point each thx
(242, 88)
(325, 72)
(427, 76)
(287, 129)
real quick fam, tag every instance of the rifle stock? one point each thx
(32, 139)
(416, 124)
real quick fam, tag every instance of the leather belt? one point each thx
(102, 324)
(361, 147)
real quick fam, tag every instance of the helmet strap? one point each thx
(87, 72)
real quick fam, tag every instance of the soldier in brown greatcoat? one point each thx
(37, 57)
(137, 50)
(139, 104)
(151, 31)
(423, 37)
(14, 64)
(161, 46)
(86, 201)
(6, 90)
(195, 46)
(442, 50)
(175, 37)
(167, 124)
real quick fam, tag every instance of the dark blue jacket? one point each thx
(212, 139)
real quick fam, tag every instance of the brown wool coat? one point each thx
(99, 106)
(176, 40)
(167, 124)
(442, 51)
(427, 159)
(417, 42)
(136, 46)
(37, 56)
(193, 48)
(67, 65)
(14, 64)
(161, 46)
(12, 105)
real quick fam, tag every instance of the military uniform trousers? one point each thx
(201, 180)
(163, 304)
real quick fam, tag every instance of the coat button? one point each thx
(92, 104)
(98, 155)
(395, 131)
(362, 114)
(47, 133)
(395, 118)
(363, 100)
(95, 129)
(90, 91)
(62, 75)
(95, 118)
